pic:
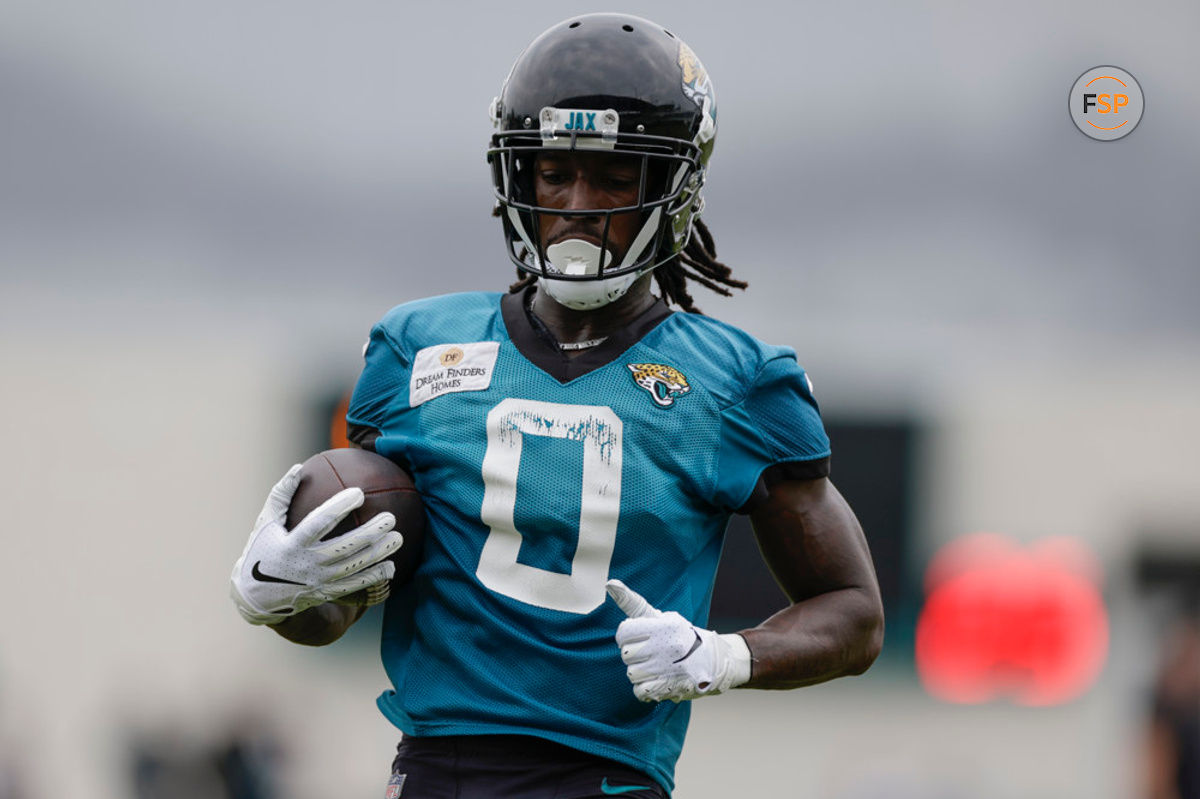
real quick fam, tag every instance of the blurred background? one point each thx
(204, 207)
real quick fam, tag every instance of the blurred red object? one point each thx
(1001, 620)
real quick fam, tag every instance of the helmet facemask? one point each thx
(670, 174)
(638, 93)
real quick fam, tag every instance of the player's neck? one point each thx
(570, 326)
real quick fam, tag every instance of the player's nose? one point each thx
(583, 194)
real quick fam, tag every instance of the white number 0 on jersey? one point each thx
(598, 429)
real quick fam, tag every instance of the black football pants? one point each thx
(509, 767)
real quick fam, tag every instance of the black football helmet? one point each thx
(607, 83)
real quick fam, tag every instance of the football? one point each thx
(385, 487)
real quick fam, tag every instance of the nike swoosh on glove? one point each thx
(282, 572)
(667, 657)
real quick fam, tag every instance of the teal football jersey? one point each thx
(543, 477)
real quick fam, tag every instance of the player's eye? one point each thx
(622, 181)
(553, 176)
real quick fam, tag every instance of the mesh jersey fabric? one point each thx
(538, 491)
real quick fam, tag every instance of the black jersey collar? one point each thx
(540, 348)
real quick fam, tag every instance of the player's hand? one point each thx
(667, 657)
(282, 573)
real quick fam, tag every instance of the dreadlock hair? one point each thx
(698, 262)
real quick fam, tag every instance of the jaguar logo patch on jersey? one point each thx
(664, 383)
(446, 368)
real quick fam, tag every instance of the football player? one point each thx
(579, 447)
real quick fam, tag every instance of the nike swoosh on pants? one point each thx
(613, 790)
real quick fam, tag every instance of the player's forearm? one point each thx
(830, 635)
(816, 549)
(320, 625)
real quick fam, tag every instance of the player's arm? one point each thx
(834, 626)
(815, 547)
(808, 537)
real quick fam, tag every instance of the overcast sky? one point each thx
(886, 175)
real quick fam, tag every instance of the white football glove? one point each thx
(282, 573)
(667, 657)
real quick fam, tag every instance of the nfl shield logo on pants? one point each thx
(395, 786)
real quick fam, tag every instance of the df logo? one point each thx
(1106, 103)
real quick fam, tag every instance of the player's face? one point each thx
(576, 181)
